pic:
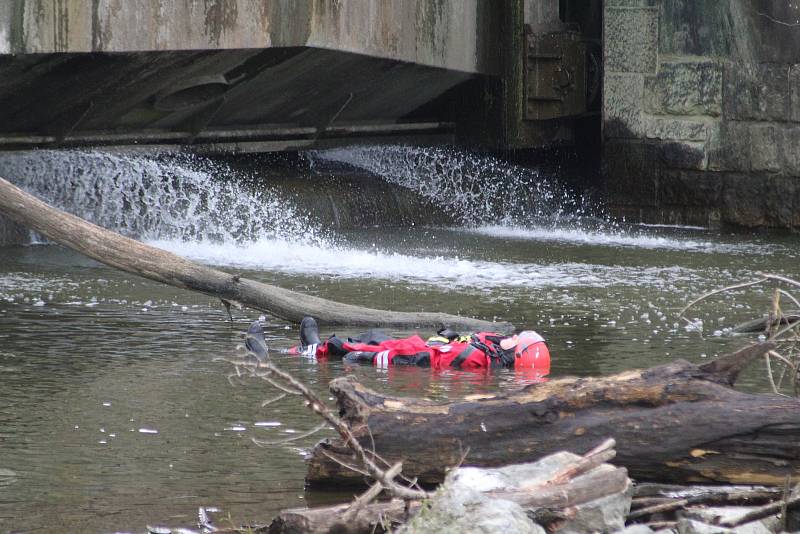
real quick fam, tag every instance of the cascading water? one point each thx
(173, 197)
(208, 211)
(476, 189)
(494, 198)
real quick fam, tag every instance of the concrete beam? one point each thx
(451, 34)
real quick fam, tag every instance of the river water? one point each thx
(116, 410)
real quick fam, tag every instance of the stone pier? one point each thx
(701, 111)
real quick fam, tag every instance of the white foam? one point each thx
(339, 262)
(608, 237)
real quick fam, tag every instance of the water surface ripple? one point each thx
(117, 411)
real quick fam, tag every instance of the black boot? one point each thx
(255, 342)
(309, 332)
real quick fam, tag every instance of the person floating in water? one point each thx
(525, 351)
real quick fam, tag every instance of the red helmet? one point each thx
(530, 351)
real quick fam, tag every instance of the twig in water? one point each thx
(779, 278)
(273, 400)
(718, 291)
(774, 319)
(790, 297)
(769, 375)
(265, 443)
(266, 378)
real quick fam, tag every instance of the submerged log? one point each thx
(764, 323)
(677, 422)
(143, 260)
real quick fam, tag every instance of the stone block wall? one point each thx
(701, 111)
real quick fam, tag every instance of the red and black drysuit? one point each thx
(478, 351)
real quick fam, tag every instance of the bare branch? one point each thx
(776, 21)
(265, 443)
(597, 456)
(779, 278)
(790, 297)
(273, 399)
(316, 405)
(345, 465)
(718, 291)
(371, 494)
(276, 385)
(769, 375)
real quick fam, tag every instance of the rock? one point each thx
(684, 155)
(635, 529)
(462, 505)
(633, 167)
(464, 510)
(689, 188)
(691, 526)
(716, 514)
(602, 515)
(791, 138)
(794, 88)
(743, 200)
(767, 147)
(729, 147)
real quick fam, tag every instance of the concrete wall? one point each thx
(452, 34)
(701, 111)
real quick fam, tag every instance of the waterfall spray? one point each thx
(174, 197)
(475, 189)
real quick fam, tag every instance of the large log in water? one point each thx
(676, 422)
(137, 258)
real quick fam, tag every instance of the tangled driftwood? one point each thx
(677, 422)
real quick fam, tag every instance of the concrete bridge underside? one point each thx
(238, 74)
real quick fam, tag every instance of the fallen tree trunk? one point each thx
(143, 260)
(676, 422)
